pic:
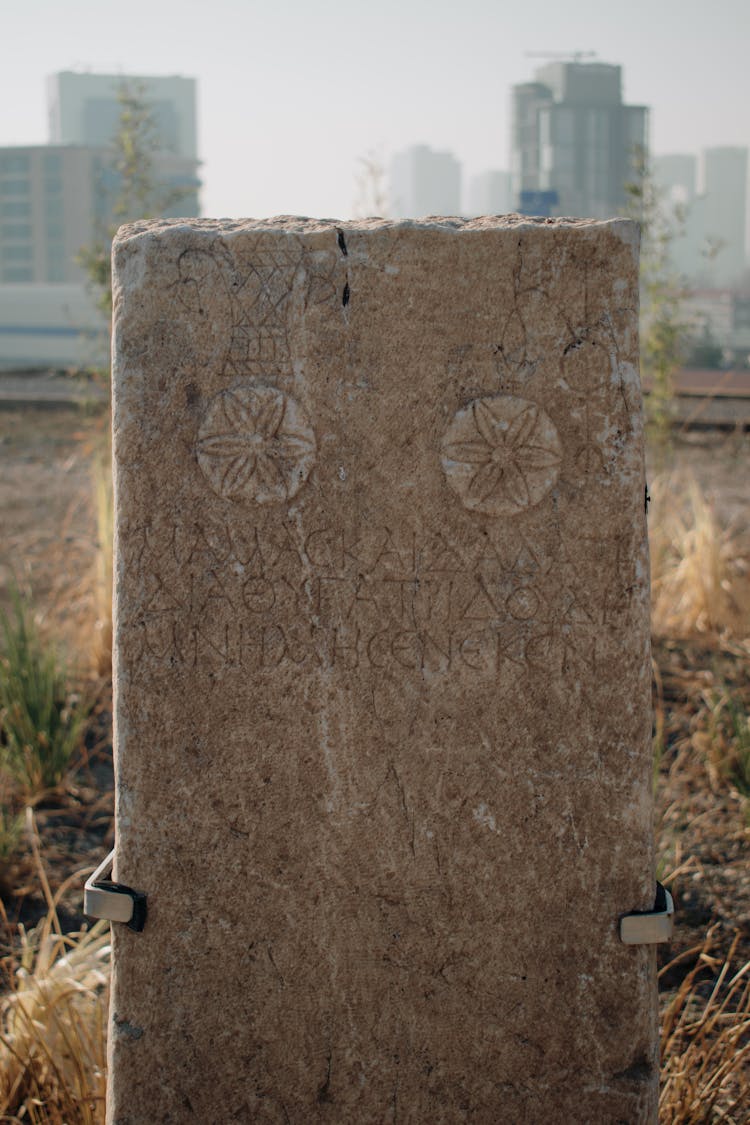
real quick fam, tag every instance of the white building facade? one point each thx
(424, 182)
(84, 109)
(710, 244)
(490, 193)
(59, 199)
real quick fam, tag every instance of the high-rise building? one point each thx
(676, 180)
(424, 182)
(48, 209)
(709, 246)
(573, 139)
(490, 194)
(84, 109)
(725, 216)
(60, 198)
(55, 200)
(676, 176)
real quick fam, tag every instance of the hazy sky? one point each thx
(292, 92)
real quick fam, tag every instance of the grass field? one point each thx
(53, 513)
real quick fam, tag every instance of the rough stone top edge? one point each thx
(627, 229)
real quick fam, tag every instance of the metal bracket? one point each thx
(650, 927)
(102, 898)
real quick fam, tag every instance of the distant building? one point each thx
(710, 247)
(676, 179)
(56, 199)
(50, 326)
(721, 315)
(725, 190)
(84, 109)
(424, 182)
(676, 175)
(573, 136)
(48, 207)
(490, 194)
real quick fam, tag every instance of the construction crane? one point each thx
(572, 56)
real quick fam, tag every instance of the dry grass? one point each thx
(699, 570)
(53, 1020)
(726, 741)
(104, 511)
(701, 595)
(705, 1041)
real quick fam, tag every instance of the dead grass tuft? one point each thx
(104, 511)
(705, 1041)
(699, 570)
(53, 1020)
(726, 741)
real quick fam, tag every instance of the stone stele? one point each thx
(382, 674)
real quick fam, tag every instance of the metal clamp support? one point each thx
(650, 927)
(102, 898)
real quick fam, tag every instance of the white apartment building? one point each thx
(84, 109)
(58, 199)
(725, 218)
(710, 247)
(424, 182)
(490, 194)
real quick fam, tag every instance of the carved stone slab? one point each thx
(382, 674)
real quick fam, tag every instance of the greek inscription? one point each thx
(269, 648)
(261, 596)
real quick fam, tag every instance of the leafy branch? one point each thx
(663, 330)
(129, 188)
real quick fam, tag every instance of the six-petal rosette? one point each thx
(501, 455)
(255, 443)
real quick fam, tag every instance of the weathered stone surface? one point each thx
(382, 675)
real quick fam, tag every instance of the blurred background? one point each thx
(336, 109)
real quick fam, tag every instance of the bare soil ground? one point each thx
(48, 542)
(47, 524)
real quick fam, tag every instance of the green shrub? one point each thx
(41, 722)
